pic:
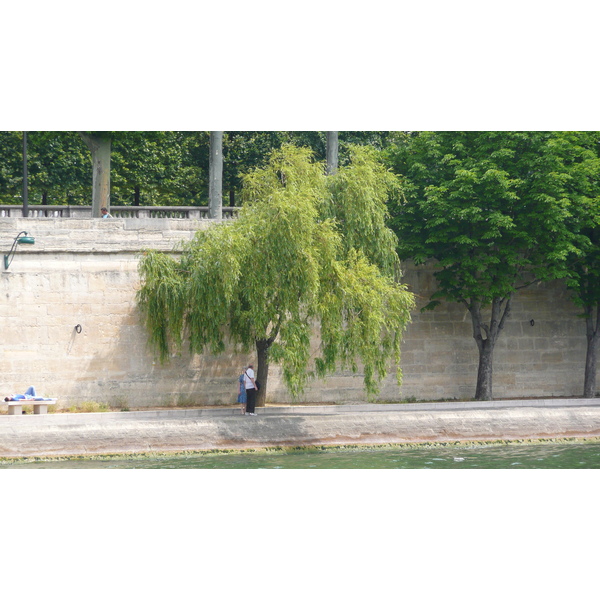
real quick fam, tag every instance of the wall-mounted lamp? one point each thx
(22, 238)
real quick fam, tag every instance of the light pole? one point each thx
(22, 238)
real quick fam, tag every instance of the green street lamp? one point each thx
(22, 238)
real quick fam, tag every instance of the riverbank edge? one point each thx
(109, 456)
(151, 433)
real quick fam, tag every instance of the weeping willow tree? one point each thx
(358, 204)
(274, 276)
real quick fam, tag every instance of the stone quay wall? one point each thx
(225, 428)
(70, 327)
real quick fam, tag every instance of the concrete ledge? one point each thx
(193, 413)
(202, 429)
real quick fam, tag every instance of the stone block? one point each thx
(552, 357)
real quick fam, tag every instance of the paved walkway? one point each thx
(212, 428)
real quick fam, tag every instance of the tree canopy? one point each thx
(58, 168)
(150, 168)
(273, 276)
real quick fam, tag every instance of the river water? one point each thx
(565, 455)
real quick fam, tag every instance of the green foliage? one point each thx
(244, 151)
(581, 154)
(492, 208)
(163, 300)
(268, 277)
(146, 168)
(316, 141)
(360, 192)
(58, 168)
(584, 277)
(362, 316)
(495, 211)
(150, 168)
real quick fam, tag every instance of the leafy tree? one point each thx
(244, 151)
(193, 175)
(491, 209)
(379, 140)
(581, 152)
(584, 280)
(58, 170)
(265, 279)
(317, 141)
(57, 164)
(148, 168)
(358, 203)
(128, 163)
(11, 167)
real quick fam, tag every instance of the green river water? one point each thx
(564, 455)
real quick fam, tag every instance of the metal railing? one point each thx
(118, 212)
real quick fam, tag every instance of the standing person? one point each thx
(242, 393)
(105, 213)
(251, 388)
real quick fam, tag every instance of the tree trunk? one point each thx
(593, 343)
(486, 344)
(136, 195)
(262, 372)
(332, 152)
(25, 178)
(215, 176)
(232, 197)
(483, 391)
(100, 147)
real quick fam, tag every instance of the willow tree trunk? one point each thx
(215, 176)
(100, 147)
(593, 343)
(262, 371)
(332, 152)
(486, 344)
